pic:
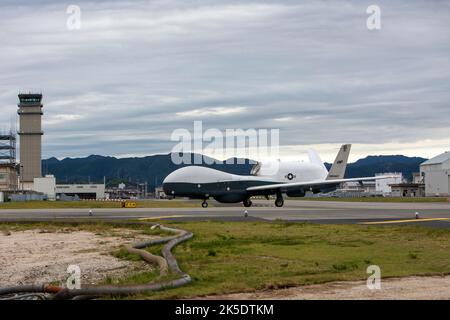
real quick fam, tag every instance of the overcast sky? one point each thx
(137, 70)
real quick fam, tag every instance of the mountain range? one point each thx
(153, 169)
(370, 165)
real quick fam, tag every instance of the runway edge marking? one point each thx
(405, 221)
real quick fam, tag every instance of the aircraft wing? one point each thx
(306, 185)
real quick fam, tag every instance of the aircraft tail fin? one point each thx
(315, 158)
(339, 166)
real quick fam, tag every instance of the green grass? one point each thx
(122, 253)
(378, 199)
(98, 204)
(226, 257)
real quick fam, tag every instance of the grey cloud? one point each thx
(115, 86)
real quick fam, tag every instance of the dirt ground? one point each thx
(39, 256)
(409, 288)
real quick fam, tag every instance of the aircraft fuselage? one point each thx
(202, 183)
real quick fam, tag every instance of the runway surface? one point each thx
(430, 214)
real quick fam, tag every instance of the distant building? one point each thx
(122, 192)
(46, 185)
(383, 186)
(83, 191)
(436, 175)
(8, 169)
(416, 188)
(356, 189)
(8, 177)
(408, 190)
(417, 178)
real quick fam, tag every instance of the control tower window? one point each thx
(31, 100)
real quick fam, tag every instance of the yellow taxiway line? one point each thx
(406, 221)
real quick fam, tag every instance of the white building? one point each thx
(83, 191)
(436, 175)
(382, 186)
(46, 185)
(417, 178)
(356, 189)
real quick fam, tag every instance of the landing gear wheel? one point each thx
(247, 203)
(279, 202)
(245, 214)
(205, 204)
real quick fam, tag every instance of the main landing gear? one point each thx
(279, 202)
(204, 204)
(247, 203)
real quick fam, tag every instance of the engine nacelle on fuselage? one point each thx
(296, 193)
(230, 198)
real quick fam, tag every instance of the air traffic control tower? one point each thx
(30, 133)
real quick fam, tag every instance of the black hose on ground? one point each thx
(102, 290)
(29, 288)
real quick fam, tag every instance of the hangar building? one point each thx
(436, 175)
(83, 191)
(47, 186)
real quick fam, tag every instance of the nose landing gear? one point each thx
(204, 204)
(279, 202)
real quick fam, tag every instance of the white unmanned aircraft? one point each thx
(292, 178)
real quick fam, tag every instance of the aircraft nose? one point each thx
(165, 186)
(168, 188)
(170, 178)
(169, 184)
